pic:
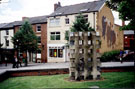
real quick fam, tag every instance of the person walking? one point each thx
(20, 61)
(121, 56)
(15, 62)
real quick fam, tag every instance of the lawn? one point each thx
(111, 80)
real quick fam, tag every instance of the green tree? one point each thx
(126, 9)
(25, 39)
(81, 24)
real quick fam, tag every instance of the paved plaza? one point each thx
(36, 66)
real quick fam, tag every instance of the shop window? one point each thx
(58, 53)
(55, 36)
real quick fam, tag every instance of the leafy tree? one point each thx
(126, 9)
(81, 24)
(25, 39)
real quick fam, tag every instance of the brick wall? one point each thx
(43, 35)
(111, 36)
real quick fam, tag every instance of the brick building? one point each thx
(39, 25)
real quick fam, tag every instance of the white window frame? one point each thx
(54, 22)
(37, 27)
(55, 34)
(67, 21)
(57, 48)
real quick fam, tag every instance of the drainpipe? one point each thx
(94, 21)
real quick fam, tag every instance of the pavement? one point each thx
(40, 66)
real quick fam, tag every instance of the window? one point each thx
(7, 42)
(7, 32)
(56, 52)
(85, 17)
(55, 22)
(39, 39)
(55, 36)
(67, 20)
(38, 28)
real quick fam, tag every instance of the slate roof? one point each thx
(32, 20)
(2, 25)
(78, 8)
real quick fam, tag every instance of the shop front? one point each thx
(57, 53)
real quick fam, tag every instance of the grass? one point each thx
(112, 80)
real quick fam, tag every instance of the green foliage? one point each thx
(81, 24)
(25, 39)
(67, 35)
(110, 56)
(112, 80)
(126, 9)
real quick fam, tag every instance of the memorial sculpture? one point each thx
(84, 55)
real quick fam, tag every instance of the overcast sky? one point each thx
(13, 10)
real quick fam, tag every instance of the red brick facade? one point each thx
(43, 45)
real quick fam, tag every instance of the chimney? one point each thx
(57, 5)
(24, 18)
(123, 23)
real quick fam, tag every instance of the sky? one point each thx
(14, 10)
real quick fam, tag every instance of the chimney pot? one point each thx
(57, 5)
(24, 18)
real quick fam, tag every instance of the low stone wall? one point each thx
(41, 72)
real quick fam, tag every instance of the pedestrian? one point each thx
(15, 65)
(20, 61)
(121, 56)
(13, 61)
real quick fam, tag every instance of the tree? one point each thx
(25, 39)
(126, 9)
(81, 24)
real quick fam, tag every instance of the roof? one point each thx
(78, 8)
(32, 20)
(2, 25)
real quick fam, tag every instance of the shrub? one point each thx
(110, 56)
